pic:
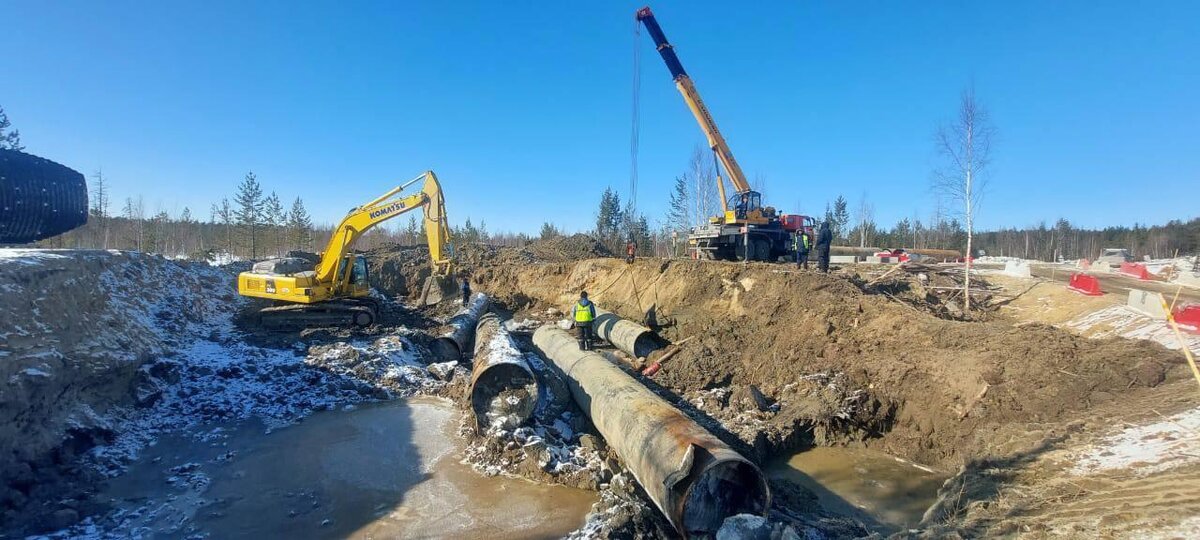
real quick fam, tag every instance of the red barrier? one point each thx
(1085, 284)
(1135, 270)
(1188, 317)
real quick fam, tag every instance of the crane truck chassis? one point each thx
(334, 289)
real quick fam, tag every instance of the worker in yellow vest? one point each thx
(584, 312)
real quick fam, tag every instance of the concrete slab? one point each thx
(1187, 279)
(843, 259)
(1147, 302)
(882, 260)
(1017, 269)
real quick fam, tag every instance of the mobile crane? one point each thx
(748, 230)
(335, 291)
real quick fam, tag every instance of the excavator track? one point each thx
(360, 312)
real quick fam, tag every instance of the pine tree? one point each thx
(609, 220)
(679, 213)
(9, 139)
(300, 226)
(549, 231)
(275, 218)
(411, 231)
(841, 217)
(249, 211)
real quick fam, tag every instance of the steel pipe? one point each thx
(503, 391)
(693, 478)
(628, 336)
(461, 330)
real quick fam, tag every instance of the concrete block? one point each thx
(843, 259)
(882, 260)
(1147, 302)
(1017, 269)
(1187, 279)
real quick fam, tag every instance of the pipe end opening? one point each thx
(724, 490)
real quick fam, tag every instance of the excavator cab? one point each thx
(357, 284)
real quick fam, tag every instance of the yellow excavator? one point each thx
(335, 291)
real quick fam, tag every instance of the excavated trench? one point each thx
(800, 397)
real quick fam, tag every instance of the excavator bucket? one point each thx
(438, 289)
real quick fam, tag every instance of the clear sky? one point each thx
(523, 108)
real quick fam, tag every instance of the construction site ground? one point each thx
(132, 406)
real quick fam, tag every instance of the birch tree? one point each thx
(965, 144)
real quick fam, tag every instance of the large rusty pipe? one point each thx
(628, 336)
(503, 391)
(461, 329)
(695, 479)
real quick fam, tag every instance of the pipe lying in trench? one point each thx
(628, 336)
(450, 346)
(695, 479)
(503, 391)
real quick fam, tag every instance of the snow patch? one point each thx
(1145, 449)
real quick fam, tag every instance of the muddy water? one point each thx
(380, 471)
(883, 492)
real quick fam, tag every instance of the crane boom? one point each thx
(691, 96)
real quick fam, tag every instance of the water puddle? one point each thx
(885, 493)
(386, 470)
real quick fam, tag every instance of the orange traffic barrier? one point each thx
(1188, 317)
(1085, 284)
(1135, 270)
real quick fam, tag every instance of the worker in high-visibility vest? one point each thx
(584, 312)
(800, 243)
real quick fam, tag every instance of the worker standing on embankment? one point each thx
(824, 239)
(801, 244)
(584, 312)
(466, 291)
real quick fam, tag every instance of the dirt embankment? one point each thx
(917, 386)
(81, 331)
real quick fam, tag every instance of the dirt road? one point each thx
(1114, 283)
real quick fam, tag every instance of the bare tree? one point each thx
(866, 220)
(702, 173)
(99, 209)
(966, 145)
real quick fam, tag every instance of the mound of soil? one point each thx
(397, 270)
(80, 332)
(927, 389)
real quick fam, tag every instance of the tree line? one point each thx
(253, 224)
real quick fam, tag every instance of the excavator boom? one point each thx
(335, 289)
(385, 207)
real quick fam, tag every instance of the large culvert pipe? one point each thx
(695, 479)
(450, 345)
(503, 391)
(630, 337)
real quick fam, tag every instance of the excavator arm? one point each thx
(331, 269)
(691, 97)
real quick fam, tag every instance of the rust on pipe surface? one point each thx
(693, 478)
(461, 330)
(630, 337)
(503, 391)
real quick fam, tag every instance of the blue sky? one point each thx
(523, 108)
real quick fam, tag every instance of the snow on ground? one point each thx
(27, 256)
(1127, 322)
(1171, 442)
